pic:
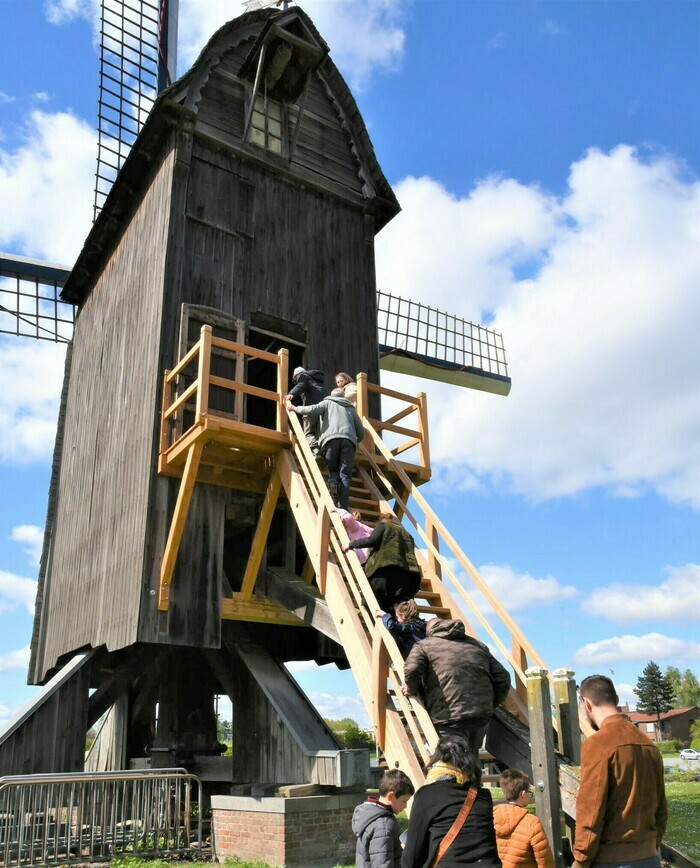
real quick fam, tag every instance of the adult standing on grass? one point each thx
(621, 809)
(452, 815)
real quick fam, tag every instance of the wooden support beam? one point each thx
(295, 595)
(261, 610)
(423, 429)
(380, 671)
(203, 373)
(166, 401)
(260, 537)
(282, 386)
(520, 657)
(568, 729)
(544, 763)
(324, 530)
(432, 532)
(177, 526)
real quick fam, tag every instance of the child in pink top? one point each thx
(356, 530)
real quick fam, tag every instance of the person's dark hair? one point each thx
(396, 781)
(513, 782)
(457, 752)
(600, 690)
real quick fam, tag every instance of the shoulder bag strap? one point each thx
(456, 826)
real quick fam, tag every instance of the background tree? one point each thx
(686, 687)
(349, 734)
(654, 692)
(223, 730)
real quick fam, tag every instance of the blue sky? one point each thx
(546, 156)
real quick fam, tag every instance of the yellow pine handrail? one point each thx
(517, 635)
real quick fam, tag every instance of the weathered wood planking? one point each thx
(99, 533)
(52, 737)
(197, 216)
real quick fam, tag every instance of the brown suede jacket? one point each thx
(621, 807)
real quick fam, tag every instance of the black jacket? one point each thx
(456, 675)
(308, 388)
(406, 634)
(435, 808)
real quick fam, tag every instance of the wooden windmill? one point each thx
(191, 545)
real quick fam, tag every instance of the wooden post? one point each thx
(380, 672)
(520, 658)
(177, 526)
(282, 387)
(544, 766)
(432, 533)
(362, 397)
(423, 430)
(568, 728)
(323, 530)
(260, 536)
(203, 372)
(165, 423)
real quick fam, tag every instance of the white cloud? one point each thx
(54, 165)
(31, 376)
(520, 590)
(32, 538)
(552, 27)
(297, 666)
(16, 590)
(5, 98)
(627, 695)
(364, 35)
(677, 598)
(18, 659)
(600, 333)
(336, 707)
(650, 646)
(498, 40)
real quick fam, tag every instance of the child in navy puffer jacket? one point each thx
(405, 626)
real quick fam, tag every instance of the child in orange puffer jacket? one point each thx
(520, 837)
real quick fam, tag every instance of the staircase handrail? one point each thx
(462, 559)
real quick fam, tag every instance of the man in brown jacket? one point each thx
(621, 807)
(458, 679)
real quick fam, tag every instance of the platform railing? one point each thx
(407, 427)
(195, 397)
(56, 819)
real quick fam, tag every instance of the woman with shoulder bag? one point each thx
(451, 821)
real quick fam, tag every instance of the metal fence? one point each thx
(434, 336)
(70, 818)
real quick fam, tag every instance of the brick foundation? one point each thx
(313, 832)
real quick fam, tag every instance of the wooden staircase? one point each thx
(402, 726)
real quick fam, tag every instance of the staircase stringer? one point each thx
(353, 605)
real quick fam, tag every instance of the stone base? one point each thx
(309, 832)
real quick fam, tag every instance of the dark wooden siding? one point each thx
(52, 738)
(96, 570)
(324, 144)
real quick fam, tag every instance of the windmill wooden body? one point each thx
(191, 545)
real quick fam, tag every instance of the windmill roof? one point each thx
(177, 106)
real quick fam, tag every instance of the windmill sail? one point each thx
(138, 40)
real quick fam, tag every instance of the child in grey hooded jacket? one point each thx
(374, 822)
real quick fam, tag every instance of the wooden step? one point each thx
(440, 611)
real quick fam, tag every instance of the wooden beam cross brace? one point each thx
(177, 526)
(260, 537)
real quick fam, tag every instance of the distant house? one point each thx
(674, 723)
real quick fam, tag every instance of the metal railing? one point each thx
(69, 818)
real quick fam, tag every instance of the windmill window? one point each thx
(266, 124)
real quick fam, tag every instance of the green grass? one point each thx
(683, 811)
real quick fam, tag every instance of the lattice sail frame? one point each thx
(137, 60)
(30, 303)
(436, 337)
